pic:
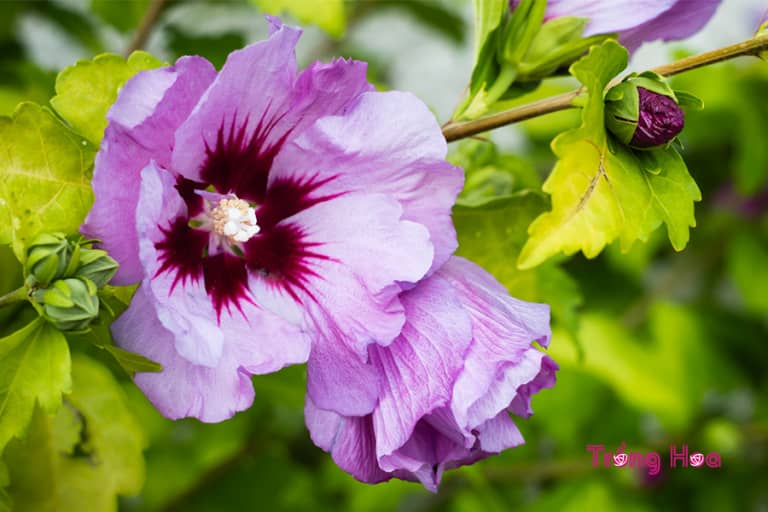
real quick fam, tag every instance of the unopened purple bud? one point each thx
(659, 121)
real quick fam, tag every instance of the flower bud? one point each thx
(643, 112)
(69, 304)
(97, 266)
(48, 257)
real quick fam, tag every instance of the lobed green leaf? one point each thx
(602, 191)
(85, 455)
(35, 367)
(87, 90)
(45, 173)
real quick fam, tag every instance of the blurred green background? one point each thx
(656, 348)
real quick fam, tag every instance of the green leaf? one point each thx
(329, 16)
(35, 369)
(496, 66)
(688, 100)
(45, 173)
(86, 91)
(132, 362)
(492, 235)
(488, 14)
(555, 46)
(489, 173)
(84, 456)
(601, 190)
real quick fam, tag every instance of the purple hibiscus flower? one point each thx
(463, 361)
(636, 21)
(271, 217)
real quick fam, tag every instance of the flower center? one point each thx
(235, 220)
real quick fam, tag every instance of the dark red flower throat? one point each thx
(240, 163)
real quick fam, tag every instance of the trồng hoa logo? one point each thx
(678, 457)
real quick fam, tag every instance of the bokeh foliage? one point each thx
(656, 347)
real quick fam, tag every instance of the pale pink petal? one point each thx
(142, 122)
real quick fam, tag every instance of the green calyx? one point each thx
(69, 304)
(63, 277)
(48, 257)
(97, 266)
(53, 256)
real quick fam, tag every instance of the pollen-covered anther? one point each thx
(235, 219)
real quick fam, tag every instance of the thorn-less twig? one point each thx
(461, 130)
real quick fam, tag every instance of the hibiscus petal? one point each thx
(364, 248)
(501, 358)
(418, 369)
(350, 440)
(142, 121)
(337, 378)
(608, 16)
(324, 89)
(401, 154)
(235, 130)
(272, 343)
(683, 20)
(182, 389)
(498, 434)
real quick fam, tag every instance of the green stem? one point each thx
(17, 295)
(456, 131)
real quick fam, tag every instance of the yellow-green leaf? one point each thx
(85, 455)
(34, 369)
(86, 91)
(602, 191)
(45, 173)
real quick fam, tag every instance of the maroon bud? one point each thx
(659, 121)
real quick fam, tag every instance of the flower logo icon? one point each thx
(620, 459)
(697, 459)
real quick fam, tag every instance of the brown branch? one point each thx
(462, 130)
(145, 27)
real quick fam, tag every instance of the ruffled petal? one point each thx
(248, 99)
(499, 433)
(183, 388)
(682, 20)
(338, 379)
(501, 357)
(386, 143)
(418, 369)
(464, 360)
(350, 440)
(325, 89)
(142, 122)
